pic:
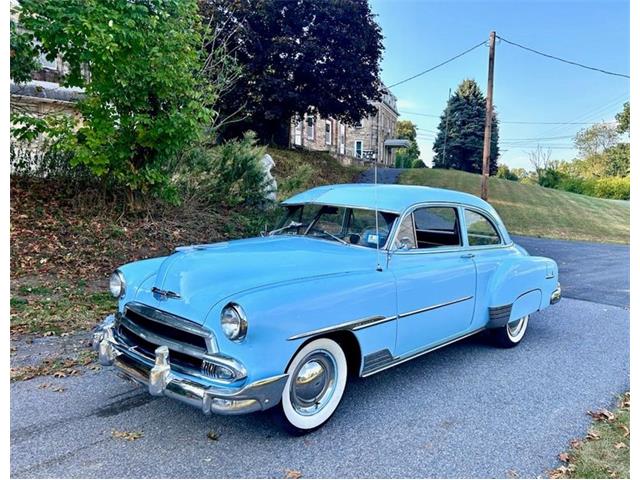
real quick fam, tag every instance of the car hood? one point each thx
(203, 275)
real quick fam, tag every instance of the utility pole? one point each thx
(486, 151)
(446, 132)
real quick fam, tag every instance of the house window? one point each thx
(357, 149)
(311, 128)
(328, 132)
(297, 133)
(342, 138)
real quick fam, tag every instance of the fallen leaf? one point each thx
(58, 389)
(625, 429)
(564, 457)
(213, 436)
(59, 374)
(602, 414)
(559, 472)
(124, 435)
(593, 435)
(512, 474)
(292, 473)
(575, 443)
(620, 445)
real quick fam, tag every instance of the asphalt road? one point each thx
(468, 410)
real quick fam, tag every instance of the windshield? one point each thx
(355, 226)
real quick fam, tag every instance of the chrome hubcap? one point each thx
(313, 383)
(516, 327)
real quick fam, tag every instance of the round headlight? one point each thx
(116, 284)
(233, 322)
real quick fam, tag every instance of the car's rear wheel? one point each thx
(316, 383)
(511, 334)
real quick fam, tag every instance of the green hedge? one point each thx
(618, 188)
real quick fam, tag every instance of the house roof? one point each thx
(389, 198)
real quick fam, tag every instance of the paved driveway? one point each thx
(468, 410)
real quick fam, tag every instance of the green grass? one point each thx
(604, 453)
(298, 170)
(57, 307)
(537, 211)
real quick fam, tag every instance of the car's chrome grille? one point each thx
(144, 329)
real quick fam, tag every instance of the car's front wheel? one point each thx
(511, 334)
(316, 383)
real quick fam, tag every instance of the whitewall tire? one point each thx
(511, 334)
(314, 389)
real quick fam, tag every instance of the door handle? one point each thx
(467, 255)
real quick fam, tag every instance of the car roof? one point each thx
(387, 198)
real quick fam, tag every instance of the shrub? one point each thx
(506, 173)
(300, 179)
(230, 174)
(550, 178)
(417, 163)
(613, 187)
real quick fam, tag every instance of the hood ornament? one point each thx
(158, 292)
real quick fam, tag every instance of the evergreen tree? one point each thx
(464, 132)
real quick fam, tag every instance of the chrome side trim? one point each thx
(406, 358)
(351, 325)
(433, 307)
(372, 321)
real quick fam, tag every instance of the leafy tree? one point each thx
(464, 132)
(624, 118)
(405, 157)
(506, 173)
(298, 57)
(138, 63)
(24, 59)
(595, 139)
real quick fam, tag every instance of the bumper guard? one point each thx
(161, 380)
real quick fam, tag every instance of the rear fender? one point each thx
(519, 288)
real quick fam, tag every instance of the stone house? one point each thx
(371, 139)
(43, 95)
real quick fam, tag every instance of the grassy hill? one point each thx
(537, 211)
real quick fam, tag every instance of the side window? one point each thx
(480, 231)
(406, 237)
(437, 227)
(430, 227)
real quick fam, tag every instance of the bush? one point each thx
(504, 172)
(417, 163)
(300, 179)
(230, 174)
(551, 178)
(607, 187)
(613, 187)
(44, 162)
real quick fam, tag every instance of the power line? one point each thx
(438, 66)
(517, 122)
(563, 60)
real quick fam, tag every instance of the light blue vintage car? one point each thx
(357, 279)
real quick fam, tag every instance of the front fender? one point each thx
(277, 313)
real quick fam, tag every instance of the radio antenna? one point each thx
(375, 196)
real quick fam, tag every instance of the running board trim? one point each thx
(405, 358)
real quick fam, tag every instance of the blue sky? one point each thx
(528, 88)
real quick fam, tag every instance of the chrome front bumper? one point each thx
(160, 379)
(556, 295)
